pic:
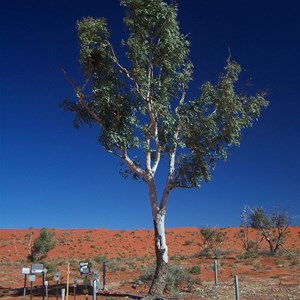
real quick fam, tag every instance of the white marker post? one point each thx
(46, 285)
(63, 294)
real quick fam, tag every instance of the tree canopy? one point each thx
(142, 105)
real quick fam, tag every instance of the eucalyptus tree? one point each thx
(140, 104)
(273, 227)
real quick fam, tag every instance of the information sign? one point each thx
(56, 276)
(37, 268)
(84, 268)
(25, 271)
(31, 278)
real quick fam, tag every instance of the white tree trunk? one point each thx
(161, 249)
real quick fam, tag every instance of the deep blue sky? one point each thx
(52, 175)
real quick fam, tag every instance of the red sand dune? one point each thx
(133, 249)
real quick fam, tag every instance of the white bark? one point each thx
(161, 242)
(158, 215)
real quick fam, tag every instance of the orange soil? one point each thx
(136, 248)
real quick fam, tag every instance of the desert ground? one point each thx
(129, 256)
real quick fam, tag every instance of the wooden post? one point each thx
(236, 284)
(68, 279)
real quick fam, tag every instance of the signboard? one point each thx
(31, 278)
(25, 271)
(84, 268)
(56, 276)
(37, 268)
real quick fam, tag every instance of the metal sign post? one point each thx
(75, 285)
(85, 270)
(44, 285)
(31, 279)
(56, 278)
(86, 291)
(25, 271)
(39, 269)
(104, 275)
(95, 278)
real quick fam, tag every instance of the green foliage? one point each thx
(273, 227)
(42, 245)
(143, 105)
(195, 270)
(176, 276)
(212, 239)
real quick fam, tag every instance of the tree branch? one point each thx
(132, 166)
(79, 94)
(126, 72)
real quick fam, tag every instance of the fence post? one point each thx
(236, 284)
(216, 272)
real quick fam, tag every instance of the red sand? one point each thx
(130, 250)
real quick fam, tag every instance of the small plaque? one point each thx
(31, 278)
(25, 271)
(57, 276)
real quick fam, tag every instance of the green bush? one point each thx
(176, 276)
(42, 245)
(196, 270)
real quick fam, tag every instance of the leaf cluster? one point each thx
(42, 245)
(212, 239)
(213, 122)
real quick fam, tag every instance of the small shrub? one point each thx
(177, 276)
(188, 243)
(278, 262)
(195, 270)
